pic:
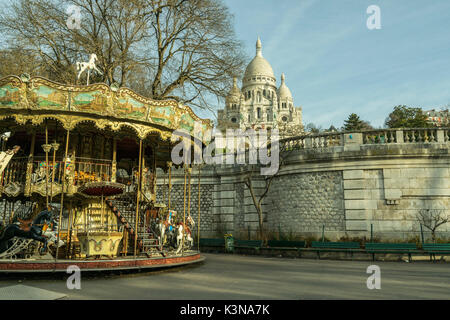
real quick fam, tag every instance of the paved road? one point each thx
(249, 277)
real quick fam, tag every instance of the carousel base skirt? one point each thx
(121, 263)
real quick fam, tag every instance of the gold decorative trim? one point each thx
(39, 98)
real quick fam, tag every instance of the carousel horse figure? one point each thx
(42, 229)
(82, 66)
(169, 229)
(186, 230)
(165, 226)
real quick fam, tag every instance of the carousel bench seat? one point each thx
(344, 246)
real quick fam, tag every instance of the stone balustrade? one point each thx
(379, 136)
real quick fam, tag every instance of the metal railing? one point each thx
(15, 171)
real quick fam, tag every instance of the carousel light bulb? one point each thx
(6, 136)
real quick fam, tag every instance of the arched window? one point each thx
(258, 111)
(259, 96)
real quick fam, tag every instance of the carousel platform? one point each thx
(121, 263)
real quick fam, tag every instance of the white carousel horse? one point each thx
(82, 66)
(163, 226)
(53, 238)
(187, 234)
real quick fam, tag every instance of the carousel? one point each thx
(78, 178)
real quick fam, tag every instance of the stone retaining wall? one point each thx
(348, 189)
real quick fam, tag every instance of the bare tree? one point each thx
(432, 219)
(180, 49)
(17, 60)
(290, 130)
(249, 177)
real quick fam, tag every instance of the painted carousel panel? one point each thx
(45, 97)
(93, 101)
(187, 122)
(162, 115)
(129, 107)
(9, 95)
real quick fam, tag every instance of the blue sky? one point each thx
(335, 65)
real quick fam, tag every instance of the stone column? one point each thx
(440, 136)
(353, 141)
(399, 136)
(355, 200)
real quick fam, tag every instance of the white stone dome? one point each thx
(258, 67)
(283, 91)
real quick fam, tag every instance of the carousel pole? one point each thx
(69, 230)
(114, 161)
(164, 194)
(62, 194)
(184, 211)
(46, 149)
(137, 199)
(4, 212)
(198, 219)
(11, 215)
(189, 199)
(28, 182)
(55, 147)
(169, 186)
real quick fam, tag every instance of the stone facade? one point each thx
(345, 182)
(259, 104)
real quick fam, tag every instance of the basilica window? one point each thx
(233, 106)
(258, 111)
(284, 105)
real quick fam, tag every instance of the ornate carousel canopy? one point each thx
(36, 99)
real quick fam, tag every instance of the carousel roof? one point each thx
(35, 99)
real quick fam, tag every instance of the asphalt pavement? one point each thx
(235, 277)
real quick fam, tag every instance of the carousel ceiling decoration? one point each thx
(35, 99)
